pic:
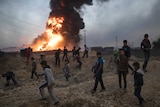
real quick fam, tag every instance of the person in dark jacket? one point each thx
(77, 51)
(10, 75)
(122, 69)
(65, 53)
(74, 52)
(138, 82)
(145, 47)
(85, 51)
(98, 70)
(127, 52)
(57, 57)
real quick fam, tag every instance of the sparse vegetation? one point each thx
(156, 44)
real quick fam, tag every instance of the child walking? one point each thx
(122, 69)
(98, 70)
(48, 83)
(66, 69)
(138, 82)
(34, 67)
(79, 61)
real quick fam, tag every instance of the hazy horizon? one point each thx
(21, 21)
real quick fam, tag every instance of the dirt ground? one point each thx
(77, 91)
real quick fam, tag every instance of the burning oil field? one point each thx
(63, 25)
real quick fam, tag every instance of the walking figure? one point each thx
(49, 82)
(145, 47)
(57, 57)
(122, 69)
(65, 52)
(85, 51)
(66, 70)
(34, 67)
(77, 51)
(127, 52)
(79, 61)
(74, 52)
(138, 82)
(98, 70)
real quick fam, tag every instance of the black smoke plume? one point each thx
(73, 22)
(70, 10)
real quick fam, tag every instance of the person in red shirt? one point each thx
(28, 53)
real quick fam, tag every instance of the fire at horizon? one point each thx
(52, 38)
(63, 26)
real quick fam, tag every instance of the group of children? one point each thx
(138, 75)
(75, 54)
(122, 70)
(122, 57)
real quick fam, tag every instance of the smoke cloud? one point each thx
(70, 10)
(73, 22)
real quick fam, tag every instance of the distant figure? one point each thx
(98, 73)
(65, 52)
(127, 52)
(10, 76)
(34, 67)
(74, 52)
(42, 56)
(66, 69)
(145, 47)
(85, 51)
(122, 69)
(138, 82)
(79, 61)
(77, 51)
(49, 82)
(28, 54)
(57, 57)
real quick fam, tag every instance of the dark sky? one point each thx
(22, 20)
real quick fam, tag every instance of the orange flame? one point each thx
(52, 37)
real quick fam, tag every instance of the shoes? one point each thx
(42, 99)
(144, 70)
(93, 91)
(17, 85)
(125, 90)
(6, 84)
(57, 102)
(102, 90)
(141, 102)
